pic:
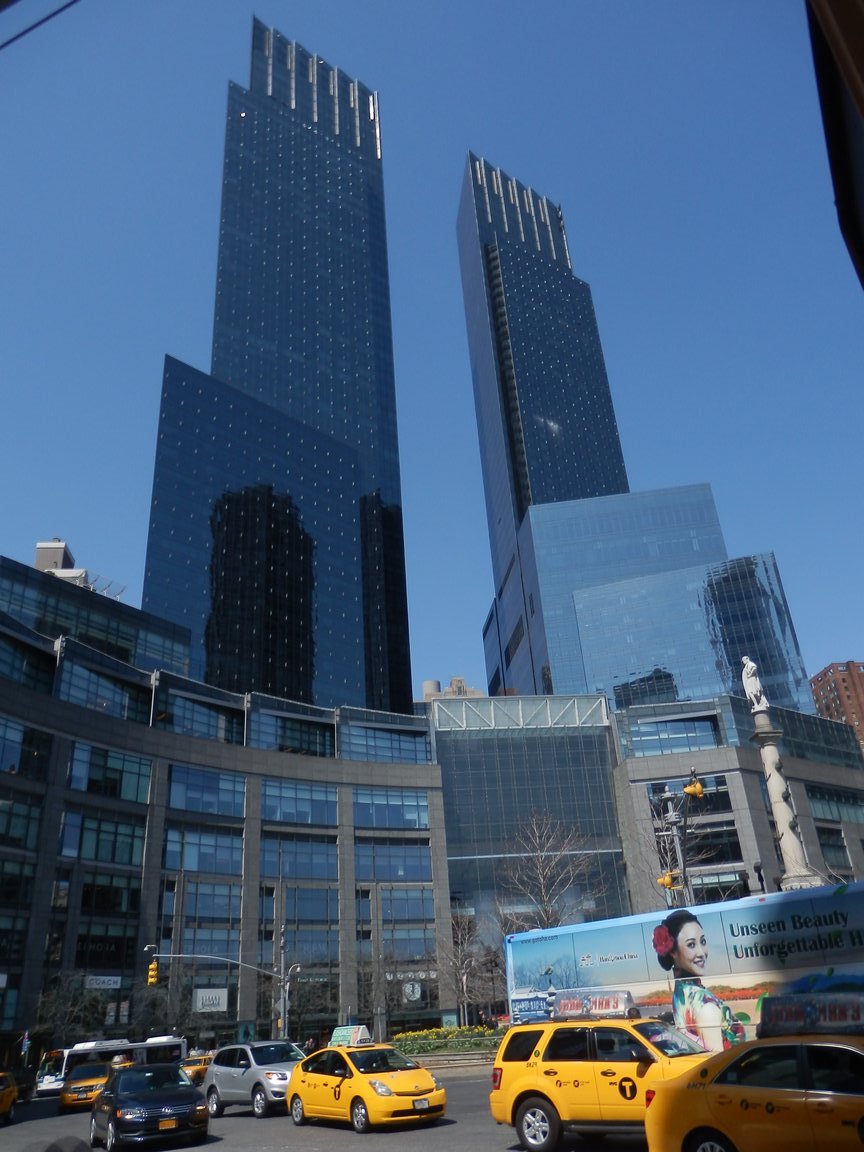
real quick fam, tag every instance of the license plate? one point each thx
(421, 1105)
(163, 1124)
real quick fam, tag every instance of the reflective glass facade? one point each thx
(678, 636)
(545, 418)
(54, 607)
(634, 596)
(276, 524)
(503, 760)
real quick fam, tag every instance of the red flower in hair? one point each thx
(663, 940)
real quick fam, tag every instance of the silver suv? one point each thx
(255, 1074)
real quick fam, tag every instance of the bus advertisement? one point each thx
(56, 1065)
(712, 962)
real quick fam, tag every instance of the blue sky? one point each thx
(685, 146)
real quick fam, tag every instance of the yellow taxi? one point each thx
(584, 1075)
(82, 1085)
(364, 1084)
(196, 1067)
(8, 1097)
(797, 1093)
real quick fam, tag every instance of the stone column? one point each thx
(797, 873)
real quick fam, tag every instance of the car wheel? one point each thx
(94, 1135)
(538, 1125)
(214, 1104)
(111, 1141)
(260, 1103)
(297, 1113)
(360, 1116)
(10, 1115)
(709, 1141)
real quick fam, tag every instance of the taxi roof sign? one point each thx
(349, 1035)
(825, 1012)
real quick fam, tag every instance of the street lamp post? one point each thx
(672, 817)
(286, 993)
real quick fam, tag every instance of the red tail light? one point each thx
(649, 1096)
(496, 1078)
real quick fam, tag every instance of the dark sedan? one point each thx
(145, 1104)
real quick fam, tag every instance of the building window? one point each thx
(390, 808)
(399, 905)
(23, 751)
(206, 790)
(836, 804)
(203, 850)
(111, 841)
(385, 745)
(833, 845)
(312, 905)
(381, 860)
(102, 772)
(19, 821)
(296, 802)
(110, 894)
(300, 857)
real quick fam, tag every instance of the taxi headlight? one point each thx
(380, 1088)
(436, 1081)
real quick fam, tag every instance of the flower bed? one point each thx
(447, 1040)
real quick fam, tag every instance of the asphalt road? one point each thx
(467, 1126)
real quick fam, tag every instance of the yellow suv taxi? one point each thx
(82, 1085)
(584, 1075)
(8, 1097)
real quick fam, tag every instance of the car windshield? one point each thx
(279, 1052)
(668, 1039)
(381, 1060)
(153, 1079)
(88, 1072)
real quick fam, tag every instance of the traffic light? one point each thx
(667, 880)
(153, 972)
(695, 789)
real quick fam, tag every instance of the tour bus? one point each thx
(804, 941)
(59, 1062)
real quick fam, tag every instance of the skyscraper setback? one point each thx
(597, 589)
(276, 522)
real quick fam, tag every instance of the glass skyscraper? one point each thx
(597, 589)
(276, 521)
(544, 410)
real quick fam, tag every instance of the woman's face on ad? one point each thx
(691, 949)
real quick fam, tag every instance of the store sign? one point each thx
(211, 999)
(101, 983)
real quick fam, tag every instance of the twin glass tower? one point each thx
(597, 589)
(276, 521)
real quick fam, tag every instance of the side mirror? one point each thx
(642, 1055)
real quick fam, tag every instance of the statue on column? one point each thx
(753, 686)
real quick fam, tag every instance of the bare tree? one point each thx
(69, 1011)
(548, 872)
(465, 961)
